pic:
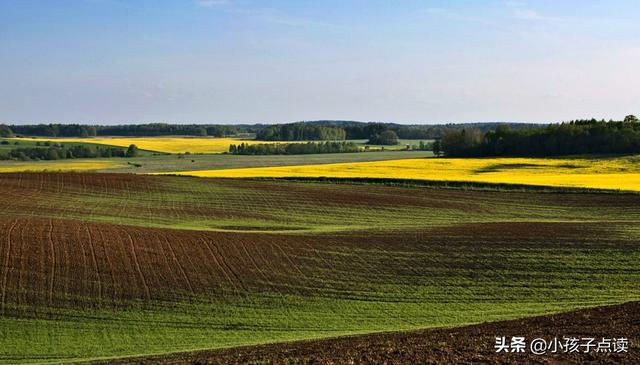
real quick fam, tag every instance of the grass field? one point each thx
(619, 173)
(14, 143)
(459, 345)
(172, 163)
(402, 144)
(109, 265)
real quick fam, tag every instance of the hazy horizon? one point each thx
(245, 62)
(270, 123)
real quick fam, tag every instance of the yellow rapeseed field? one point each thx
(162, 144)
(600, 173)
(59, 165)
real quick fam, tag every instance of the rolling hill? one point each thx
(113, 265)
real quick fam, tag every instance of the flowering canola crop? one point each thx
(163, 144)
(60, 165)
(600, 173)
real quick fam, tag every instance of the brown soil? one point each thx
(68, 262)
(62, 262)
(71, 181)
(463, 345)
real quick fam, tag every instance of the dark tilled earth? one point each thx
(463, 345)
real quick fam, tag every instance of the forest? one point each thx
(293, 148)
(133, 130)
(300, 132)
(59, 151)
(307, 130)
(570, 138)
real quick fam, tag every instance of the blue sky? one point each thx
(226, 61)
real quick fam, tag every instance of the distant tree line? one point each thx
(574, 137)
(162, 129)
(5, 131)
(293, 148)
(56, 130)
(375, 133)
(55, 151)
(300, 132)
(137, 130)
(359, 130)
(310, 130)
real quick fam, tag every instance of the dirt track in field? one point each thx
(463, 345)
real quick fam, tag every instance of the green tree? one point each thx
(132, 151)
(52, 154)
(463, 142)
(630, 119)
(437, 149)
(387, 138)
(5, 131)
(201, 132)
(300, 132)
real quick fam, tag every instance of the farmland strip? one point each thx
(170, 274)
(21, 265)
(224, 262)
(221, 266)
(5, 270)
(180, 267)
(286, 257)
(109, 264)
(253, 262)
(52, 275)
(95, 262)
(137, 264)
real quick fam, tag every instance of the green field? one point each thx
(12, 143)
(169, 163)
(121, 265)
(154, 162)
(402, 144)
(180, 162)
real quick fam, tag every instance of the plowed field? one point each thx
(105, 265)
